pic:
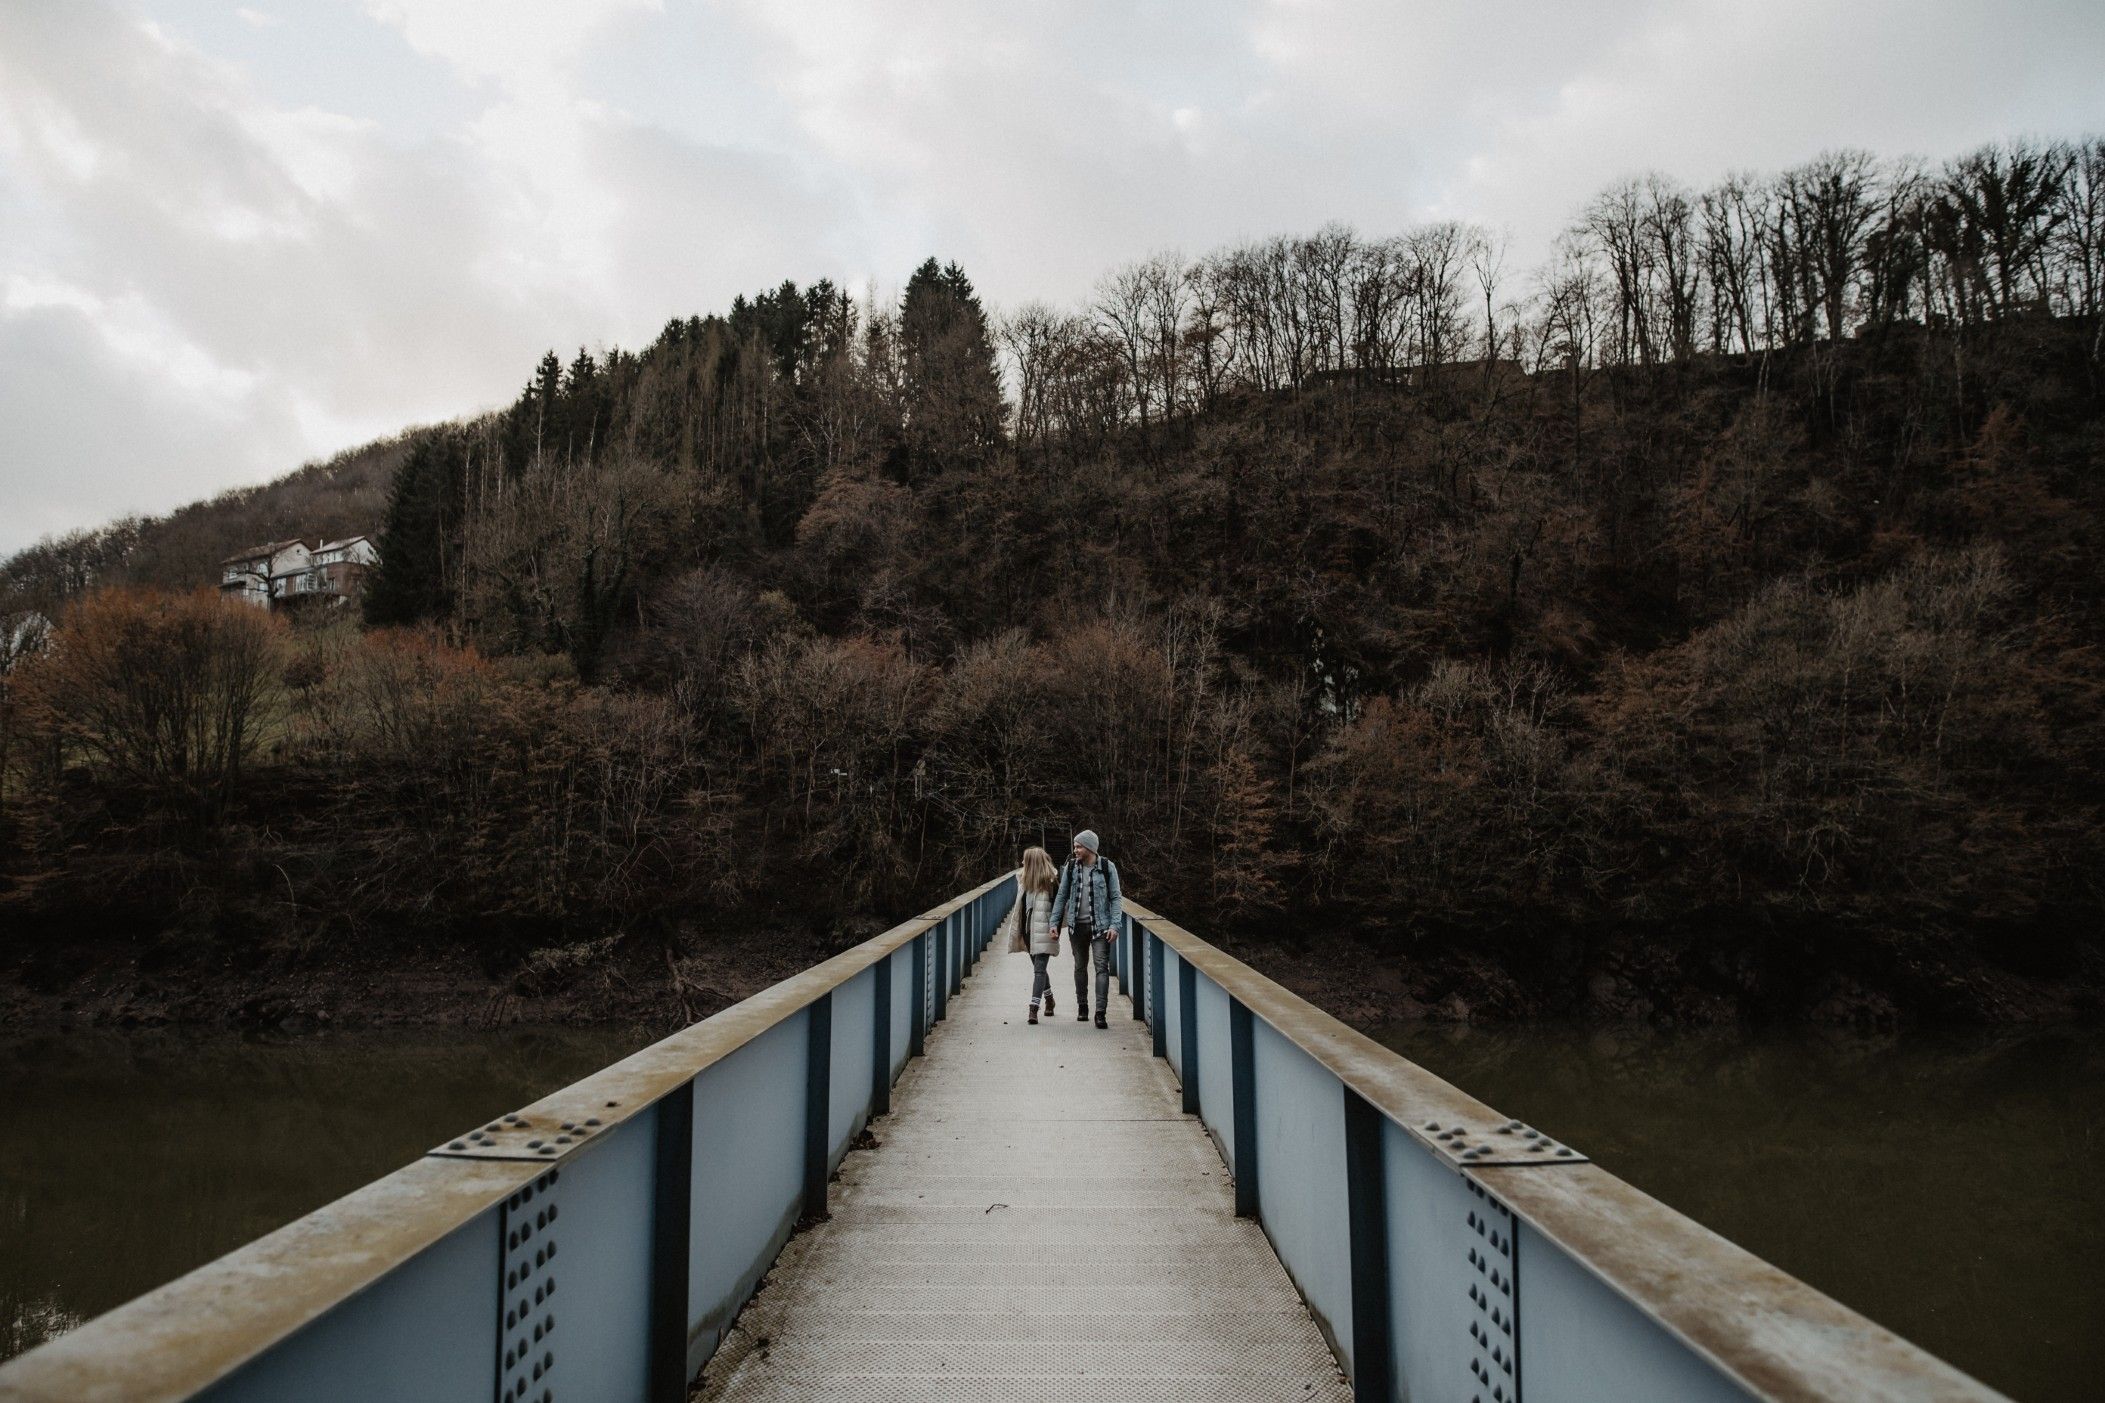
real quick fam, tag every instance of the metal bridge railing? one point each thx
(594, 1245)
(1451, 1253)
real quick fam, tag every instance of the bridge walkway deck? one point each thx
(1037, 1221)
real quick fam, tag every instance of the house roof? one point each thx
(260, 552)
(335, 545)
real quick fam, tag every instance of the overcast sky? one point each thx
(237, 237)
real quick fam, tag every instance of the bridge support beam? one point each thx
(818, 1102)
(1366, 1208)
(881, 1038)
(917, 1026)
(940, 934)
(1134, 980)
(672, 1208)
(1156, 1010)
(1242, 1072)
(1188, 1032)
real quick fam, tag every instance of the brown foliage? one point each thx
(1856, 753)
(831, 721)
(165, 692)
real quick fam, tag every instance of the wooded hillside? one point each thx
(1734, 579)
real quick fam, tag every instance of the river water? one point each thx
(1949, 1187)
(130, 1158)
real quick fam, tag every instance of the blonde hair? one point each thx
(1039, 874)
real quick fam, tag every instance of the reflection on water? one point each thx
(128, 1159)
(1947, 1187)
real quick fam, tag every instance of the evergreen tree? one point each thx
(547, 394)
(582, 398)
(953, 386)
(410, 583)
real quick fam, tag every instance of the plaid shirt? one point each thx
(1099, 887)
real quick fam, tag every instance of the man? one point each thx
(1088, 911)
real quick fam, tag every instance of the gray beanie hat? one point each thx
(1087, 838)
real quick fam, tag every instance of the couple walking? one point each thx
(1080, 904)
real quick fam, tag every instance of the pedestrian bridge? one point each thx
(873, 1182)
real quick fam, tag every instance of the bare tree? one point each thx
(1209, 341)
(1031, 337)
(1568, 329)
(1672, 262)
(1122, 310)
(2004, 209)
(1733, 215)
(2080, 242)
(165, 690)
(1614, 223)
(1320, 286)
(1836, 200)
(1487, 262)
(1439, 253)
(1167, 300)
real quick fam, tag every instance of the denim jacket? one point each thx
(1103, 896)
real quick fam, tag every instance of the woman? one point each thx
(1034, 894)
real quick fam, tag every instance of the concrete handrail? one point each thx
(665, 1184)
(1411, 1244)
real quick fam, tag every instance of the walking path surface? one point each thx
(1039, 1221)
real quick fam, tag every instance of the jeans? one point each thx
(1081, 940)
(1041, 982)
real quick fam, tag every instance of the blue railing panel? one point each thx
(428, 1329)
(1173, 1012)
(904, 996)
(1584, 1343)
(601, 1308)
(748, 1175)
(1216, 1079)
(1301, 1189)
(1442, 1300)
(854, 1006)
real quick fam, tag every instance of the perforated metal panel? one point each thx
(530, 1228)
(1494, 1330)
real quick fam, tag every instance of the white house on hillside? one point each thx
(250, 575)
(286, 572)
(335, 570)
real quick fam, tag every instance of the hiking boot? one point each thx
(1100, 1019)
(1034, 1013)
(1048, 1005)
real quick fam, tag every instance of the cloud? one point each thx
(1517, 123)
(88, 438)
(248, 242)
(262, 284)
(520, 45)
